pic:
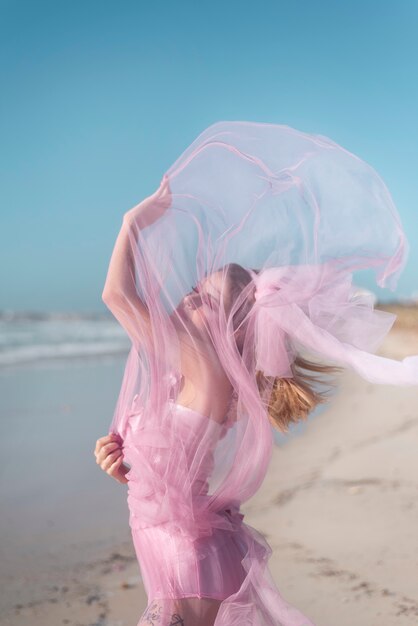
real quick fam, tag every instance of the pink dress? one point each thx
(194, 576)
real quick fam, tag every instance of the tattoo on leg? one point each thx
(152, 614)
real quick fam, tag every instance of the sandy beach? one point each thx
(339, 504)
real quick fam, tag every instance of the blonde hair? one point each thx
(292, 399)
(287, 400)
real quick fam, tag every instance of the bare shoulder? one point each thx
(205, 386)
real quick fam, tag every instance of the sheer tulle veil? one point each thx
(243, 258)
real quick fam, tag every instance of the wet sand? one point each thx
(338, 506)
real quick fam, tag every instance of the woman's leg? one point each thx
(191, 611)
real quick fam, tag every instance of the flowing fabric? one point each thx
(242, 259)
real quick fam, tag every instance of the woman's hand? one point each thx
(109, 456)
(152, 208)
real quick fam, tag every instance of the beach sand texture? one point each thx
(339, 505)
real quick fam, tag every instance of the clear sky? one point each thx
(98, 99)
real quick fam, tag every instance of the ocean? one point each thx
(36, 338)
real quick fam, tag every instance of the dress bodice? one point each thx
(184, 416)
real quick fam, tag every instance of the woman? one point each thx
(226, 279)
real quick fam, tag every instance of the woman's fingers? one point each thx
(106, 451)
(162, 197)
(116, 471)
(109, 460)
(109, 455)
(105, 448)
(115, 465)
(165, 184)
(102, 441)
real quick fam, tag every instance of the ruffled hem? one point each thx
(257, 602)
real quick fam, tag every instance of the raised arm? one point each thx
(120, 293)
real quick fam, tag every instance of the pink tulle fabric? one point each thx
(295, 214)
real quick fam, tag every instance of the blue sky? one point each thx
(99, 98)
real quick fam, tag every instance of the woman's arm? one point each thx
(119, 293)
